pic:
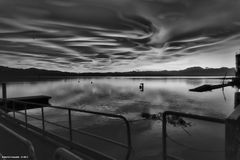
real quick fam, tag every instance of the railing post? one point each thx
(4, 95)
(14, 114)
(25, 111)
(43, 120)
(164, 136)
(70, 124)
(4, 91)
(232, 135)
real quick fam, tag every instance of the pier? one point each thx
(8, 106)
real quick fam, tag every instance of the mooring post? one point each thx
(232, 135)
(141, 87)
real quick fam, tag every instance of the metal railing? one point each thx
(23, 140)
(186, 115)
(64, 154)
(11, 104)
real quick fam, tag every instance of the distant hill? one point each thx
(6, 72)
(30, 72)
(199, 71)
(193, 71)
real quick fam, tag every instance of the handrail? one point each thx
(79, 147)
(129, 144)
(25, 141)
(187, 115)
(80, 132)
(62, 153)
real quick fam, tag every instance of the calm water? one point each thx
(122, 96)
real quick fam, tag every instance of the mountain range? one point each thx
(6, 72)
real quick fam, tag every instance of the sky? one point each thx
(119, 35)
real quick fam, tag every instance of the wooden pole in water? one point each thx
(141, 87)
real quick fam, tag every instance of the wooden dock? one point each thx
(33, 100)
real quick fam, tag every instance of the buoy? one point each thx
(141, 87)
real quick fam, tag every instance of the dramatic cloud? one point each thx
(113, 35)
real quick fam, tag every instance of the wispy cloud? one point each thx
(113, 35)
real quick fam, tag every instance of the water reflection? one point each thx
(117, 94)
(122, 96)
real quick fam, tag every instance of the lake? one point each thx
(121, 95)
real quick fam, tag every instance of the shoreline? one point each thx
(43, 78)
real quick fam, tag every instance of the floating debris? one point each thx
(152, 116)
(177, 121)
(171, 119)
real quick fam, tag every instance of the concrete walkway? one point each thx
(10, 146)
